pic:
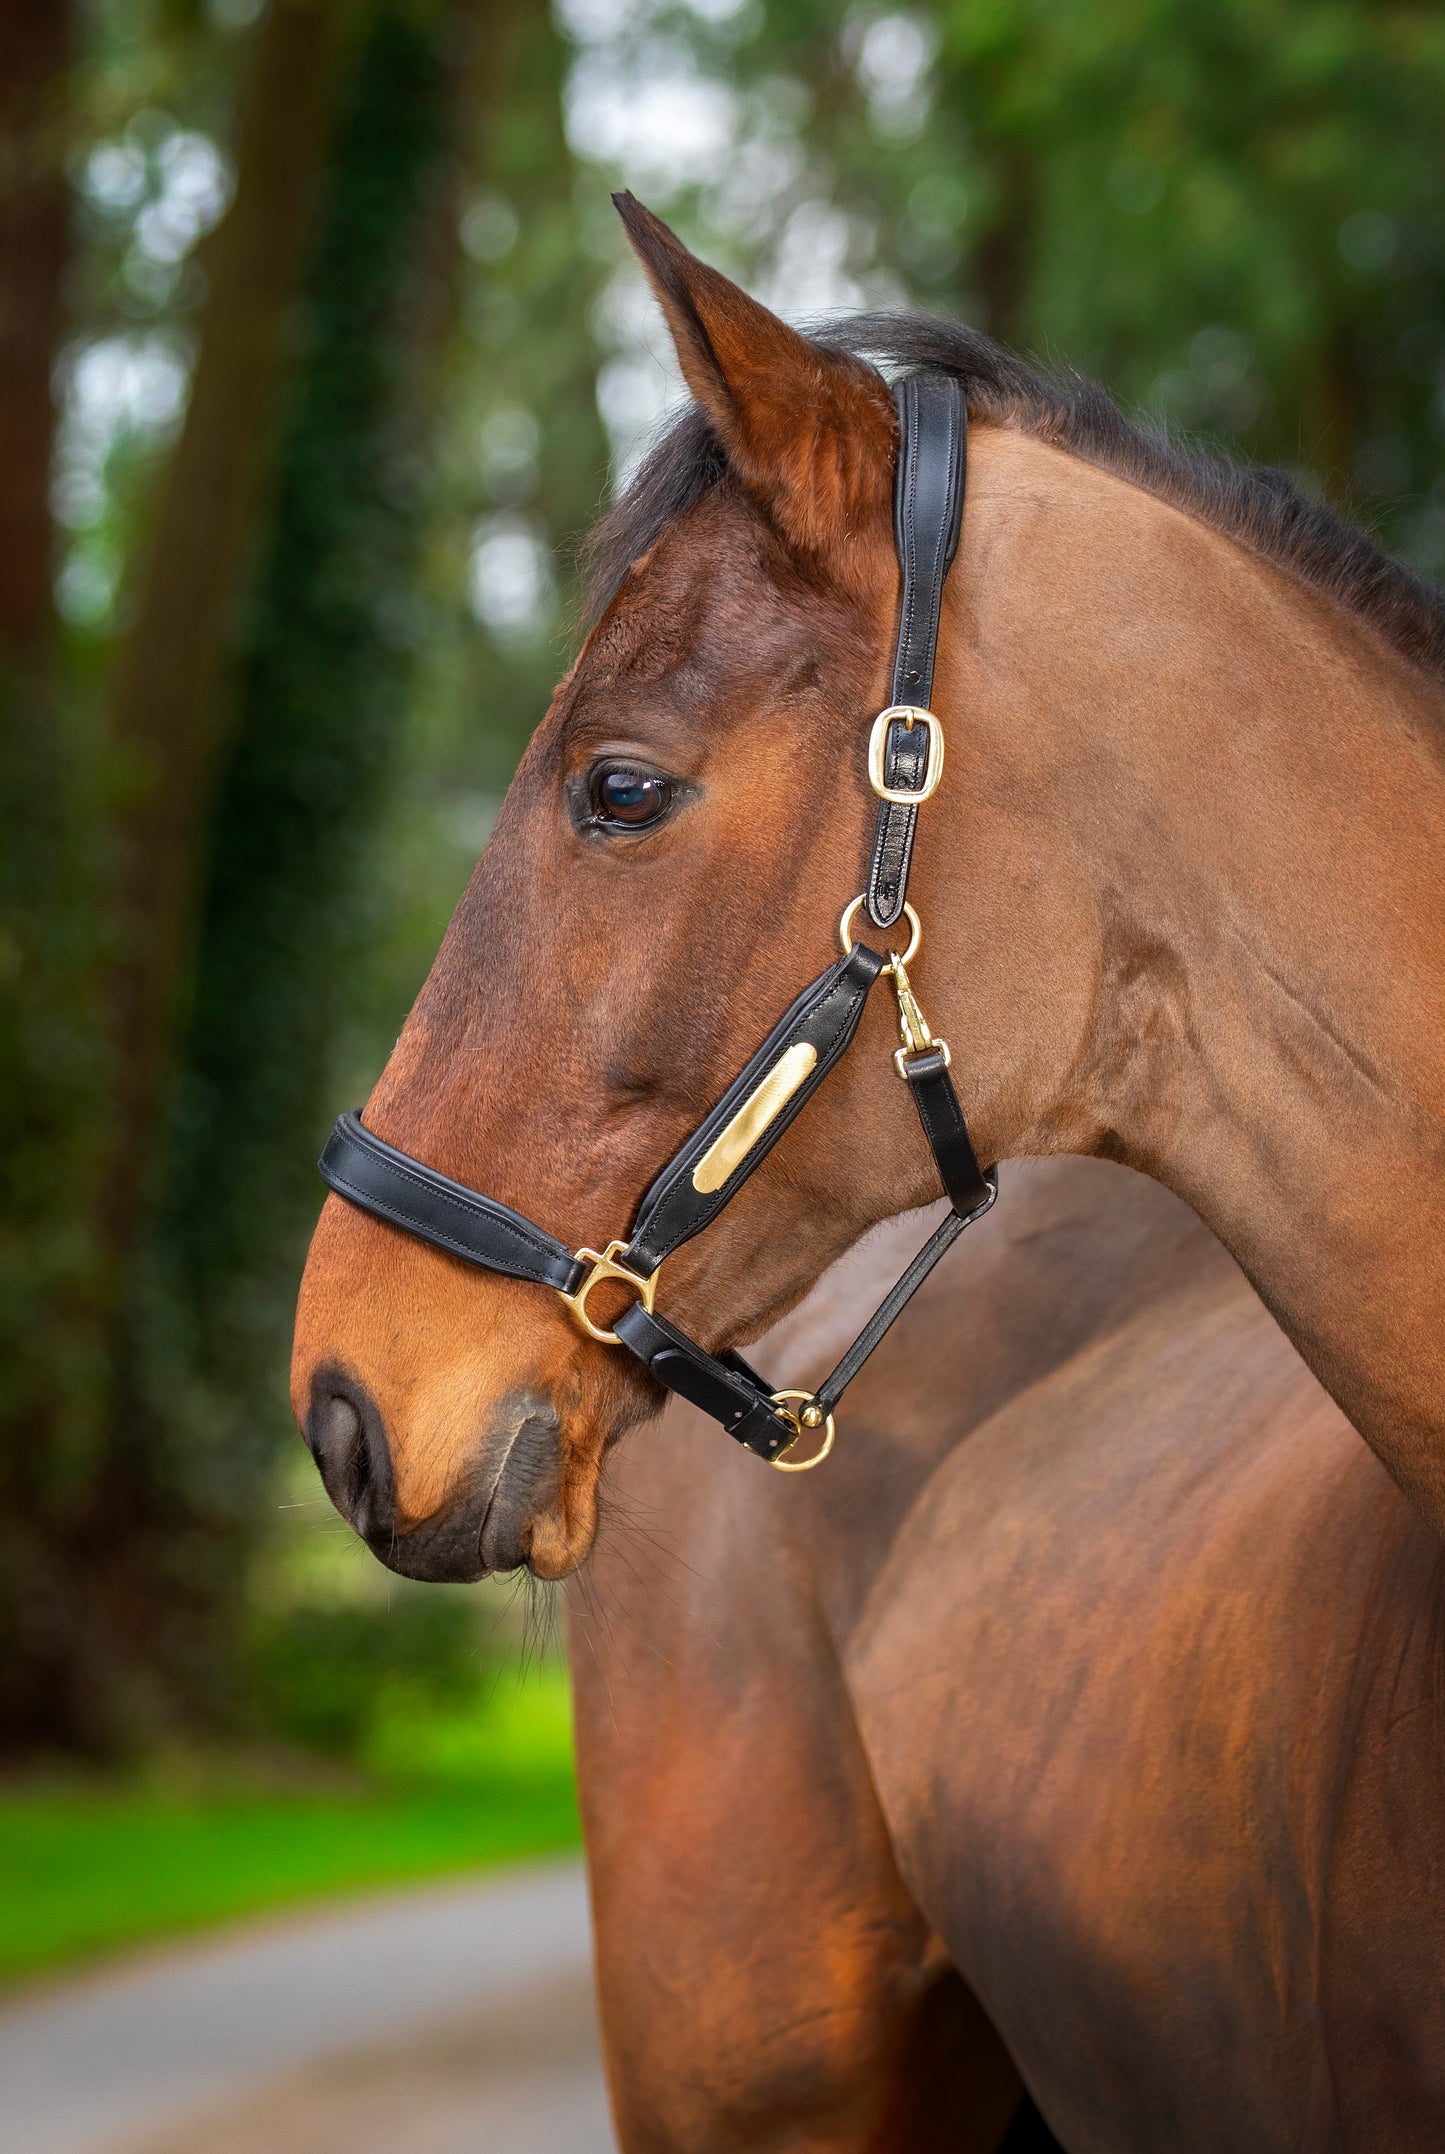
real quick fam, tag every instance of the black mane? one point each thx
(1260, 509)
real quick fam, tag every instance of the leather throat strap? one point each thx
(731, 1390)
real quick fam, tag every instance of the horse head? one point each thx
(665, 874)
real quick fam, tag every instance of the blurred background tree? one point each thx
(318, 349)
(211, 732)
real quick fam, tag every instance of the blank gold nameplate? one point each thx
(732, 1146)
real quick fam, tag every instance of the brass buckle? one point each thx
(603, 1267)
(810, 1418)
(917, 1039)
(915, 932)
(911, 715)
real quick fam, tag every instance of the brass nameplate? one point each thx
(733, 1145)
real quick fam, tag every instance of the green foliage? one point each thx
(328, 1676)
(513, 1734)
(1233, 213)
(84, 1870)
(321, 700)
(1230, 213)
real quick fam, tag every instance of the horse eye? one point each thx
(630, 798)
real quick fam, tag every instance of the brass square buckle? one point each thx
(911, 715)
(603, 1267)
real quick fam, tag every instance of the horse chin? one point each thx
(557, 1545)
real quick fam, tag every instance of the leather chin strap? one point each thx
(905, 758)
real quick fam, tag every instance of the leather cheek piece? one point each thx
(927, 518)
(905, 763)
(826, 1016)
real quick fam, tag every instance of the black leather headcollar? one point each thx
(906, 750)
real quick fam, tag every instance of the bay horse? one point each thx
(1080, 1729)
(1183, 879)
(1184, 902)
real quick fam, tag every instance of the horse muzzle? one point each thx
(491, 1516)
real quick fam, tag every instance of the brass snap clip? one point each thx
(917, 1039)
(603, 1267)
(808, 1419)
(909, 715)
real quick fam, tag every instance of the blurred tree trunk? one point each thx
(1003, 254)
(320, 705)
(167, 702)
(257, 731)
(34, 55)
(51, 1361)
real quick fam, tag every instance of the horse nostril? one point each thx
(333, 1432)
(335, 1425)
(344, 1436)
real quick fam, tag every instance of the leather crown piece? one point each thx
(787, 1069)
(927, 518)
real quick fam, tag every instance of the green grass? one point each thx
(85, 1869)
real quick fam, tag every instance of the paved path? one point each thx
(453, 2020)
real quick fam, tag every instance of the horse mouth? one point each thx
(525, 1483)
(502, 1512)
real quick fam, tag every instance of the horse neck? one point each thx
(1246, 789)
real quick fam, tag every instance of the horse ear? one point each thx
(812, 433)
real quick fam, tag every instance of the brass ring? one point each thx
(803, 1465)
(600, 1266)
(915, 930)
